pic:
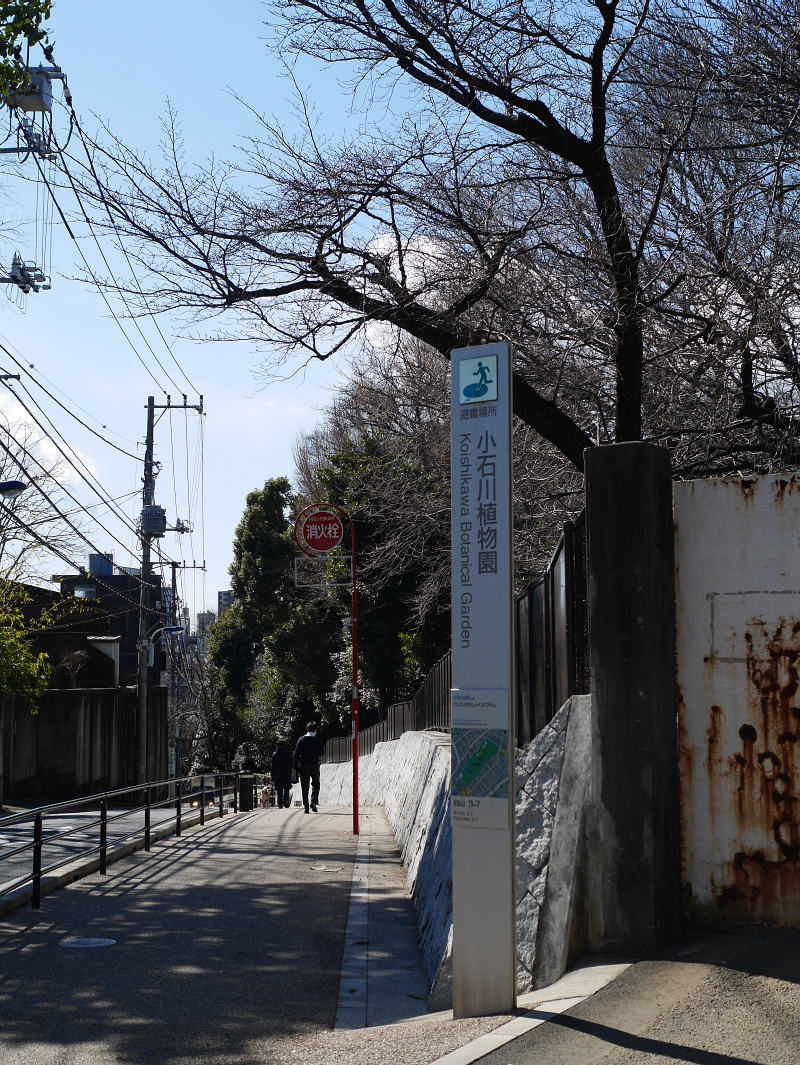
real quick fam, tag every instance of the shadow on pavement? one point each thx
(644, 1044)
(223, 943)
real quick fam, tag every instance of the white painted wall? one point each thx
(738, 611)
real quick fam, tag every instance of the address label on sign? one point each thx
(479, 782)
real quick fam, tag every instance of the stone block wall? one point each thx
(538, 777)
(410, 778)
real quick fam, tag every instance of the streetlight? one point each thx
(12, 489)
(144, 643)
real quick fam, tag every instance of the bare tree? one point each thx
(32, 528)
(73, 662)
(393, 406)
(549, 185)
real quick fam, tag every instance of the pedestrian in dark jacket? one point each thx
(280, 771)
(307, 754)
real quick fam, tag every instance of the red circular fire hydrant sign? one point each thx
(318, 531)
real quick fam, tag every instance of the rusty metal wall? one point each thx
(738, 618)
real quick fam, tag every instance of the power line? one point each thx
(94, 278)
(117, 285)
(69, 461)
(78, 510)
(44, 494)
(70, 399)
(70, 562)
(103, 495)
(60, 513)
(65, 408)
(124, 250)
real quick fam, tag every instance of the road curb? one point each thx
(77, 870)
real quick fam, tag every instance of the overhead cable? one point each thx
(27, 369)
(74, 118)
(68, 460)
(99, 287)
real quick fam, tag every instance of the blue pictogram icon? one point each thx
(478, 389)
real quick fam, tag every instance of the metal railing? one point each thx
(202, 791)
(551, 657)
(429, 710)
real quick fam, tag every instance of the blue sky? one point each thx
(124, 61)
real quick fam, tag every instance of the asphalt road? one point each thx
(727, 999)
(228, 946)
(80, 840)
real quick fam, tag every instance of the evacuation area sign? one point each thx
(318, 532)
(479, 785)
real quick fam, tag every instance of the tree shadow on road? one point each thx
(225, 943)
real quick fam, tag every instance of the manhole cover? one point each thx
(87, 942)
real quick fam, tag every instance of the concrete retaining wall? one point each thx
(410, 778)
(738, 599)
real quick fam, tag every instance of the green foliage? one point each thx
(282, 654)
(277, 709)
(22, 19)
(392, 661)
(232, 648)
(262, 557)
(22, 673)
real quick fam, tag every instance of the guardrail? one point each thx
(201, 791)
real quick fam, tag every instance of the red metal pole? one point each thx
(299, 540)
(354, 703)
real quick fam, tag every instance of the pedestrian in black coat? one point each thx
(280, 771)
(307, 754)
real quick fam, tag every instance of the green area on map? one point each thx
(480, 766)
(478, 760)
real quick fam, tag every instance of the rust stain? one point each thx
(686, 764)
(784, 487)
(763, 878)
(747, 486)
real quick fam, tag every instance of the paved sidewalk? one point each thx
(383, 979)
(228, 948)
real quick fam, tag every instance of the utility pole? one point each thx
(153, 524)
(148, 496)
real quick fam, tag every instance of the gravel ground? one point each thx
(731, 998)
(416, 1043)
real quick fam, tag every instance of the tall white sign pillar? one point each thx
(482, 720)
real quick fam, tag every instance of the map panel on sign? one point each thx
(479, 763)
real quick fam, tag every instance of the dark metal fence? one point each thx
(552, 657)
(28, 831)
(552, 627)
(428, 710)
